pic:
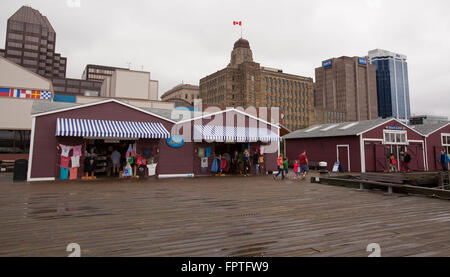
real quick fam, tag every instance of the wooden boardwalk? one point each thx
(228, 216)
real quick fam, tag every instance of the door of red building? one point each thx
(381, 152)
(416, 153)
(343, 156)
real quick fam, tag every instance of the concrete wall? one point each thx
(15, 113)
(154, 90)
(131, 84)
(15, 76)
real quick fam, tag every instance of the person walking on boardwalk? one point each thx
(444, 160)
(246, 159)
(256, 162)
(280, 168)
(296, 170)
(392, 163)
(405, 158)
(303, 161)
(286, 166)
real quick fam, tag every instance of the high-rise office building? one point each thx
(392, 84)
(346, 87)
(244, 83)
(30, 42)
(95, 72)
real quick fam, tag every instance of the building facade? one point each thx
(185, 92)
(19, 89)
(392, 84)
(245, 83)
(95, 72)
(31, 42)
(347, 85)
(359, 146)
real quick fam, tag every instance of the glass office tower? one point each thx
(392, 84)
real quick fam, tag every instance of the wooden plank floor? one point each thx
(219, 216)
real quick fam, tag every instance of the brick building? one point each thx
(245, 83)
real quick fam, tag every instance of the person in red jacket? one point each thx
(303, 161)
(296, 170)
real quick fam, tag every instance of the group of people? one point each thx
(301, 167)
(244, 163)
(404, 160)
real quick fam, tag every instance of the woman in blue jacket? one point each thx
(444, 160)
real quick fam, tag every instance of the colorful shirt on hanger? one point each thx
(75, 161)
(76, 150)
(64, 173)
(65, 150)
(65, 161)
(73, 173)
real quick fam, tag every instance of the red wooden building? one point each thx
(112, 123)
(359, 146)
(437, 137)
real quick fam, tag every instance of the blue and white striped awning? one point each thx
(233, 134)
(70, 127)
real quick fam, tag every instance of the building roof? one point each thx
(241, 43)
(337, 129)
(427, 129)
(39, 108)
(44, 106)
(29, 15)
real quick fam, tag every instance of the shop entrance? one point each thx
(102, 150)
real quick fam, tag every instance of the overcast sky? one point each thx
(185, 40)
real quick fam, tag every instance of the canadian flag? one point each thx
(237, 23)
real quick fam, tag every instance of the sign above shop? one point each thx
(397, 128)
(175, 141)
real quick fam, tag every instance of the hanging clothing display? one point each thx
(64, 175)
(65, 150)
(76, 150)
(201, 152)
(215, 165)
(65, 161)
(208, 151)
(127, 171)
(75, 161)
(141, 161)
(73, 173)
(204, 163)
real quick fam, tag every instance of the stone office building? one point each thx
(346, 86)
(245, 83)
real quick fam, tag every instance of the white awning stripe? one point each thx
(233, 134)
(70, 127)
